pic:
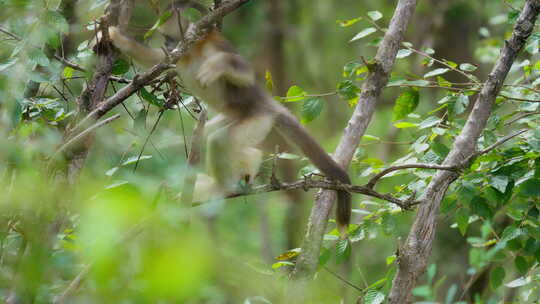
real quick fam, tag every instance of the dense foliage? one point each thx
(99, 220)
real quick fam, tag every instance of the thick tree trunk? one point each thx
(307, 262)
(414, 254)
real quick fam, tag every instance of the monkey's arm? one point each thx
(145, 56)
(229, 66)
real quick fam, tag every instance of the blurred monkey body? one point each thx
(214, 72)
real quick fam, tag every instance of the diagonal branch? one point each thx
(414, 254)
(371, 183)
(307, 262)
(196, 34)
(456, 168)
(308, 183)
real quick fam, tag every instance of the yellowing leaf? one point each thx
(287, 255)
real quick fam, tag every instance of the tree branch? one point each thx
(388, 170)
(193, 159)
(196, 34)
(371, 183)
(377, 79)
(309, 183)
(414, 254)
(86, 132)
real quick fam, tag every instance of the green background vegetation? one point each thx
(125, 224)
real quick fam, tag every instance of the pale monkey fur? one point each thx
(213, 72)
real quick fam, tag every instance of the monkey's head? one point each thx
(175, 28)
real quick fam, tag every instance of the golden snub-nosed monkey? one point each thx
(215, 73)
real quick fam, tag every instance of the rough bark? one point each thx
(414, 254)
(196, 34)
(307, 262)
(75, 156)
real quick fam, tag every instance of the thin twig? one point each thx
(520, 116)
(85, 133)
(147, 139)
(10, 34)
(384, 172)
(362, 291)
(197, 142)
(371, 183)
(500, 142)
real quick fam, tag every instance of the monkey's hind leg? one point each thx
(206, 189)
(232, 153)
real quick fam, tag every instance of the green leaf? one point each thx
(403, 53)
(289, 254)
(134, 159)
(429, 122)
(431, 272)
(436, 72)
(480, 207)
(406, 103)
(440, 149)
(462, 220)
(499, 182)
(120, 67)
(151, 98)
(311, 109)
(401, 82)
(68, 72)
(451, 63)
(450, 295)
(377, 283)
(405, 125)
(191, 14)
(374, 15)
(371, 137)
(7, 64)
(388, 223)
(281, 264)
(366, 32)
(162, 19)
(521, 264)
(496, 277)
(56, 21)
(343, 250)
(429, 51)
(423, 291)
(269, 81)
(37, 56)
(467, 67)
(521, 281)
(295, 93)
(373, 296)
(347, 90)
(537, 65)
(17, 112)
(461, 103)
(111, 171)
(325, 256)
(443, 82)
(530, 187)
(288, 156)
(347, 23)
(510, 233)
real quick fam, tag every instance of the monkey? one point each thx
(214, 72)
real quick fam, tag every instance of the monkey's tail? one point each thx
(289, 126)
